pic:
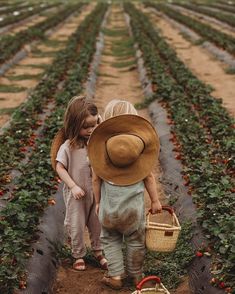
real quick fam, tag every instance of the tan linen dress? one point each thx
(79, 213)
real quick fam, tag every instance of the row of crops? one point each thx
(19, 15)
(28, 139)
(224, 17)
(203, 135)
(221, 39)
(10, 45)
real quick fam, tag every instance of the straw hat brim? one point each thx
(58, 140)
(123, 124)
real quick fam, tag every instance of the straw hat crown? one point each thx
(123, 150)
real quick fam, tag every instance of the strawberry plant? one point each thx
(222, 40)
(203, 147)
(36, 182)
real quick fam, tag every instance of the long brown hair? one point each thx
(77, 110)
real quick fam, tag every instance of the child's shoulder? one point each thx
(73, 148)
(65, 145)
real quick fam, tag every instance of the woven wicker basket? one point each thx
(162, 237)
(158, 289)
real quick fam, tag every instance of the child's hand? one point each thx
(77, 192)
(156, 207)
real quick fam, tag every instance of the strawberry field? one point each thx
(175, 61)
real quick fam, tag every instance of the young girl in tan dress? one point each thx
(122, 152)
(72, 166)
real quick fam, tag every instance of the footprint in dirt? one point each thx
(70, 281)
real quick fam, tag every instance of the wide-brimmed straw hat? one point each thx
(58, 140)
(123, 149)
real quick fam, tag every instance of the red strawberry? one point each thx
(22, 284)
(178, 156)
(222, 285)
(23, 149)
(186, 183)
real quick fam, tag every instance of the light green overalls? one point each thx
(122, 216)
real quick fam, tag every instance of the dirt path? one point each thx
(113, 82)
(200, 62)
(26, 74)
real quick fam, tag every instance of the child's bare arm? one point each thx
(151, 187)
(96, 185)
(65, 177)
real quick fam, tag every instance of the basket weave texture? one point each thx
(162, 237)
(152, 291)
(158, 289)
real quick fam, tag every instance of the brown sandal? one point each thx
(79, 265)
(102, 261)
(112, 283)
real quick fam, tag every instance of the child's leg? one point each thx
(76, 215)
(135, 254)
(112, 243)
(66, 196)
(94, 228)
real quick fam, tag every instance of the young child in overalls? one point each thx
(122, 152)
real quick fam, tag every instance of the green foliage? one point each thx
(10, 45)
(11, 89)
(36, 181)
(203, 137)
(123, 64)
(115, 32)
(24, 77)
(221, 39)
(230, 70)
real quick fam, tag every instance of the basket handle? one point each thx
(165, 207)
(170, 209)
(150, 278)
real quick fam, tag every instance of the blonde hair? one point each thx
(117, 107)
(78, 109)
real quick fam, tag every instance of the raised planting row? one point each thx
(222, 40)
(24, 119)
(203, 135)
(227, 8)
(4, 4)
(230, 19)
(16, 7)
(10, 19)
(10, 45)
(19, 220)
(215, 119)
